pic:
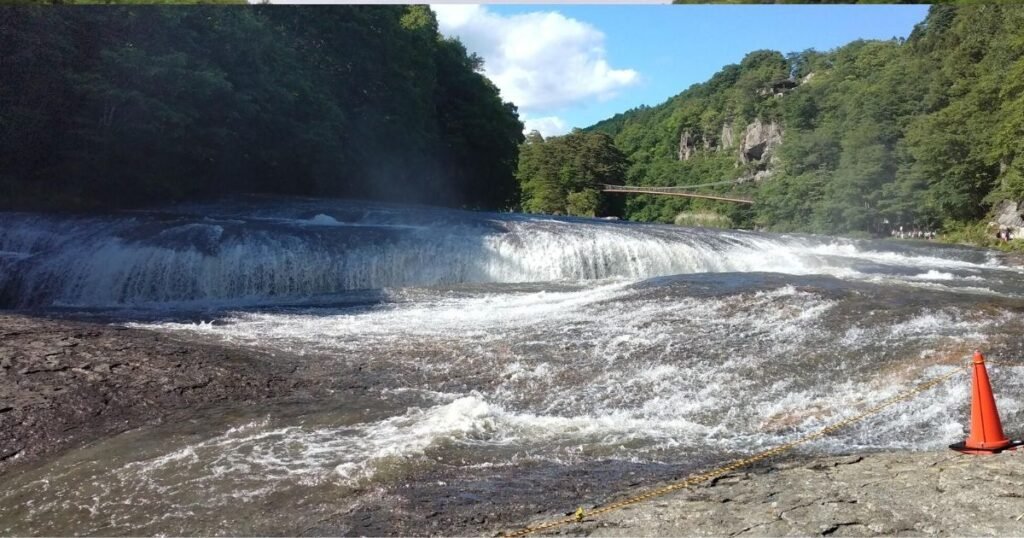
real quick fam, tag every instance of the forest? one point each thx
(564, 175)
(926, 131)
(107, 107)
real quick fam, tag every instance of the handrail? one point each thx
(672, 191)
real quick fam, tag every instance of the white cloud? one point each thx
(540, 60)
(547, 125)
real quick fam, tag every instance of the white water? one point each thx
(615, 365)
(253, 258)
(503, 341)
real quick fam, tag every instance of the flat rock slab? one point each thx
(64, 383)
(906, 494)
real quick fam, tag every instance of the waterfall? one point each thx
(287, 249)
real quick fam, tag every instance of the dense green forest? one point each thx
(927, 131)
(564, 175)
(131, 105)
(114, 106)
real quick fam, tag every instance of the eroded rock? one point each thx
(760, 140)
(1009, 214)
(64, 382)
(920, 493)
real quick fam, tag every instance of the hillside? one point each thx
(927, 131)
(121, 106)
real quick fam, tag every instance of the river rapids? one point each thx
(506, 363)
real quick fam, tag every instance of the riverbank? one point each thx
(66, 383)
(904, 493)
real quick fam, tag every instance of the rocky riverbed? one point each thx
(905, 493)
(66, 383)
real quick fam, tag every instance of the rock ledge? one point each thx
(907, 494)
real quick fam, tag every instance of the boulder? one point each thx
(1009, 214)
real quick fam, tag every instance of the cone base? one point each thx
(962, 447)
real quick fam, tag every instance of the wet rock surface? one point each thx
(482, 501)
(906, 494)
(66, 383)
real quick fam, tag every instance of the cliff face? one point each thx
(686, 149)
(1009, 214)
(758, 144)
(759, 141)
(923, 130)
(725, 140)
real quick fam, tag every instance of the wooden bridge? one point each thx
(676, 191)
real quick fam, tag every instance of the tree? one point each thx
(565, 175)
(135, 105)
(922, 131)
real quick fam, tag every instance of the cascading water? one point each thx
(224, 254)
(518, 357)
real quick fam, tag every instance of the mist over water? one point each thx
(497, 346)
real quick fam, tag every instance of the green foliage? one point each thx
(564, 175)
(703, 219)
(584, 203)
(924, 132)
(132, 105)
(707, 115)
(979, 234)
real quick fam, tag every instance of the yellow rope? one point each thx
(693, 480)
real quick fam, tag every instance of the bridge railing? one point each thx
(673, 191)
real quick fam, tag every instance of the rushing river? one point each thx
(508, 363)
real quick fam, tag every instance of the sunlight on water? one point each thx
(492, 341)
(250, 258)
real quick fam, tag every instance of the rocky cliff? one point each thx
(759, 141)
(1009, 214)
(757, 145)
(918, 130)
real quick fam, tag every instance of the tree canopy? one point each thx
(563, 175)
(114, 106)
(926, 131)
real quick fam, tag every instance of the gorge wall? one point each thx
(758, 144)
(922, 131)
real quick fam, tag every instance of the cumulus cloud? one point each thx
(540, 60)
(546, 125)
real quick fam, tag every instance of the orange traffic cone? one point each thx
(987, 435)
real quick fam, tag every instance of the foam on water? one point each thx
(850, 249)
(463, 366)
(934, 275)
(257, 254)
(255, 458)
(324, 220)
(619, 365)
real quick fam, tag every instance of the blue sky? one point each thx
(572, 65)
